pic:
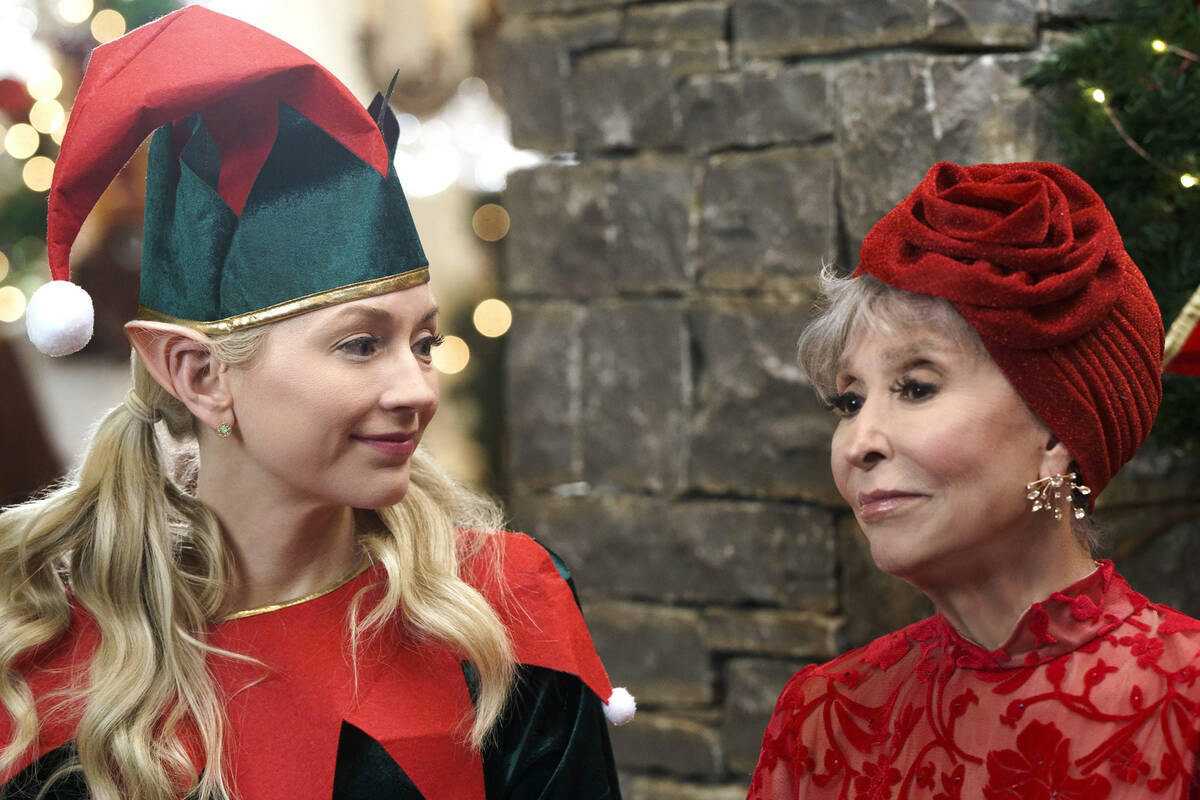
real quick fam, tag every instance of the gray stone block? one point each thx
(666, 742)
(752, 686)
(771, 28)
(982, 114)
(886, 138)
(514, 7)
(533, 69)
(1080, 9)
(560, 242)
(801, 634)
(653, 212)
(731, 553)
(634, 389)
(659, 653)
(873, 602)
(766, 216)
(1157, 548)
(626, 98)
(757, 426)
(669, 24)
(642, 788)
(760, 105)
(544, 361)
(984, 23)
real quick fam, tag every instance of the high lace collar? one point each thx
(1067, 620)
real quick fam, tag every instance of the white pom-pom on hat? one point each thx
(620, 707)
(59, 318)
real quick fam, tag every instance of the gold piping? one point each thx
(1182, 328)
(292, 308)
(254, 612)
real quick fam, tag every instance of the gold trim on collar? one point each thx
(1182, 328)
(254, 612)
(292, 308)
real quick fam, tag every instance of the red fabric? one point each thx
(412, 698)
(1094, 696)
(1030, 257)
(188, 61)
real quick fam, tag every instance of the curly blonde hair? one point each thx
(124, 538)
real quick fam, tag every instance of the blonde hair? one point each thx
(153, 595)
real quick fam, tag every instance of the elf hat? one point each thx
(270, 190)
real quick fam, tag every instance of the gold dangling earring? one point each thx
(1041, 491)
(224, 430)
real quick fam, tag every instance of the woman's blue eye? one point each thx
(846, 404)
(424, 347)
(361, 347)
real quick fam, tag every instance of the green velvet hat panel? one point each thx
(317, 218)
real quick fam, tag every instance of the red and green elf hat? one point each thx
(270, 189)
(1181, 354)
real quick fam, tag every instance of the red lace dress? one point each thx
(1094, 696)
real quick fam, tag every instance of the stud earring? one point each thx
(1047, 493)
(224, 430)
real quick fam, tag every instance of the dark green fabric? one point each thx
(317, 218)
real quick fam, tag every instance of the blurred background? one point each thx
(625, 203)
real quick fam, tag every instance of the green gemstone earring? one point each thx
(224, 429)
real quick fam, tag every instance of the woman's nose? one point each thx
(866, 440)
(410, 384)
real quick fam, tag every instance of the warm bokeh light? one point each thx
(75, 11)
(1188, 180)
(490, 222)
(3, 266)
(1159, 46)
(45, 85)
(57, 134)
(47, 116)
(12, 304)
(492, 317)
(21, 141)
(38, 173)
(107, 25)
(1098, 95)
(451, 356)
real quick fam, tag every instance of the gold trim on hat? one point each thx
(292, 308)
(1182, 328)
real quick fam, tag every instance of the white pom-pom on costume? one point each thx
(621, 707)
(59, 318)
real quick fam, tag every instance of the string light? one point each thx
(490, 222)
(1159, 46)
(108, 25)
(1099, 96)
(38, 173)
(492, 318)
(21, 141)
(47, 116)
(12, 304)
(452, 356)
(1188, 180)
(45, 85)
(75, 11)
(56, 135)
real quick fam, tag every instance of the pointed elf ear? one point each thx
(181, 361)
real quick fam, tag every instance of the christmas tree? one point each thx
(1125, 96)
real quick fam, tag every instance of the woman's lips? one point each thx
(874, 506)
(392, 444)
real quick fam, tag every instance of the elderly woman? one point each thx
(292, 600)
(992, 363)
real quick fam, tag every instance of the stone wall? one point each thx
(661, 438)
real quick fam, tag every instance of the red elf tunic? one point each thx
(310, 725)
(1094, 696)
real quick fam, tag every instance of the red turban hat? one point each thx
(1032, 260)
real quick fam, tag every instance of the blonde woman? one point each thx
(291, 600)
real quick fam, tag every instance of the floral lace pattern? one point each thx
(1095, 695)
